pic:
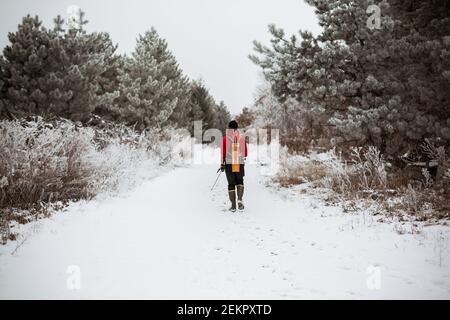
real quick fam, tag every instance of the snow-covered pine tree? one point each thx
(3, 110)
(202, 105)
(92, 63)
(421, 55)
(221, 116)
(288, 103)
(379, 86)
(22, 67)
(56, 72)
(402, 98)
(356, 87)
(153, 90)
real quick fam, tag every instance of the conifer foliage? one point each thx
(202, 106)
(68, 72)
(385, 86)
(153, 90)
(56, 71)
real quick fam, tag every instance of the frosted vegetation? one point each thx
(364, 122)
(45, 165)
(363, 113)
(375, 99)
(78, 120)
(67, 72)
(365, 180)
(361, 86)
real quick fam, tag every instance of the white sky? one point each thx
(210, 38)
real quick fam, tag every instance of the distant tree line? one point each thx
(67, 72)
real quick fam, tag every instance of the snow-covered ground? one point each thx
(171, 237)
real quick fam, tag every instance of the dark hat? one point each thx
(233, 125)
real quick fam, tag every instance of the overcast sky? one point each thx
(210, 38)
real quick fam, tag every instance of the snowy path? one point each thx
(170, 238)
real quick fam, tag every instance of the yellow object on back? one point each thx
(235, 166)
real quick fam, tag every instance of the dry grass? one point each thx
(420, 201)
(39, 163)
(364, 172)
(298, 170)
(364, 176)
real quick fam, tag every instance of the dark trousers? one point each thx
(234, 178)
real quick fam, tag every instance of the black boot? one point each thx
(232, 195)
(240, 193)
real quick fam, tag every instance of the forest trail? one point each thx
(172, 238)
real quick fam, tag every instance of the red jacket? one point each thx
(233, 136)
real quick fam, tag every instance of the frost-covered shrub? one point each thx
(361, 178)
(421, 202)
(300, 128)
(370, 167)
(417, 201)
(130, 158)
(43, 162)
(364, 175)
(364, 172)
(297, 169)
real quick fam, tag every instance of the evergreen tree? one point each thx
(56, 72)
(153, 90)
(381, 86)
(421, 59)
(201, 105)
(65, 71)
(23, 64)
(3, 110)
(221, 116)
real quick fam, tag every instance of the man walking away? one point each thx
(234, 149)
